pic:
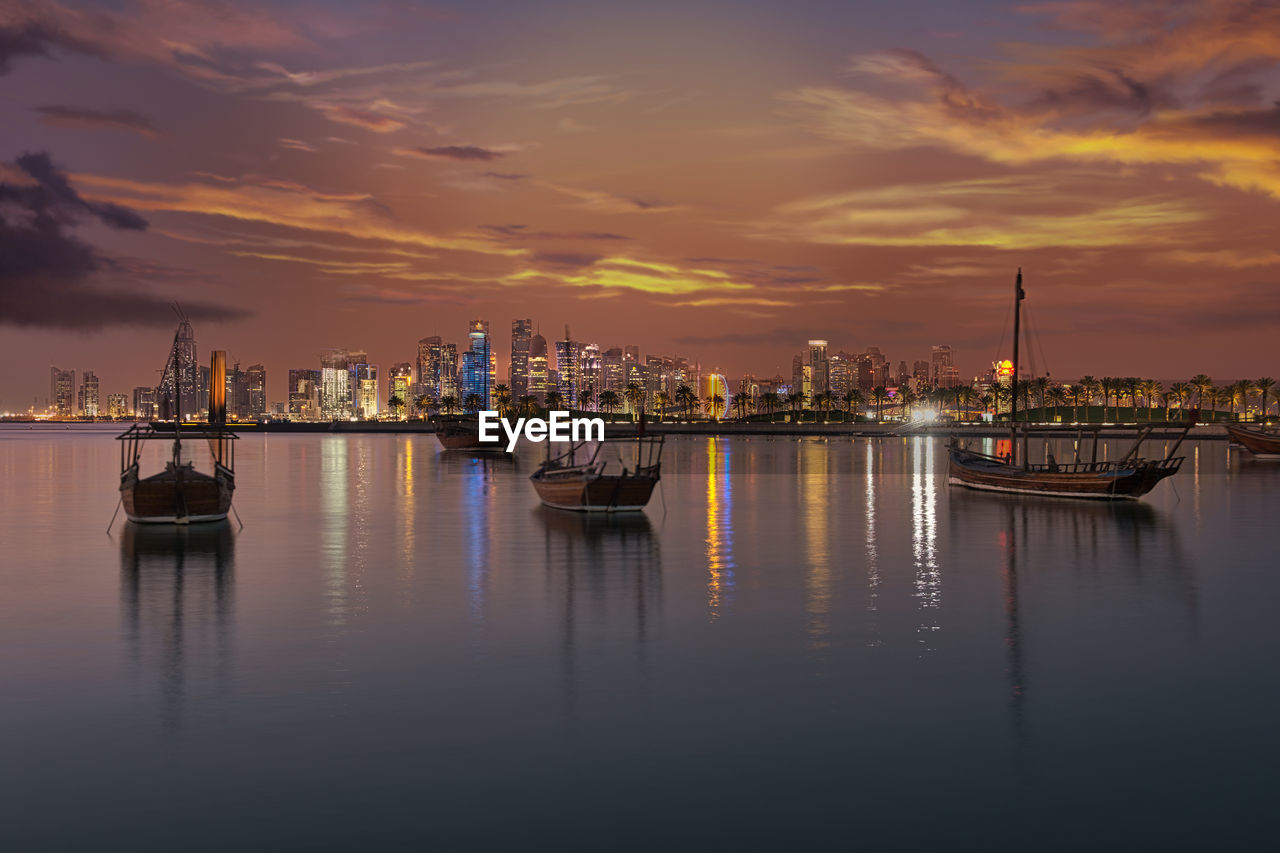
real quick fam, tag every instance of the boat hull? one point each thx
(465, 435)
(601, 494)
(188, 497)
(1109, 484)
(1260, 444)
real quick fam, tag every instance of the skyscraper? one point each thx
(539, 376)
(187, 378)
(477, 365)
(88, 397)
(943, 372)
(335, 386)
(518, 374)
(144, 403)
(304, 393)
(590, 368)
(399, 384)
(613, 374)
(365, 385)
(256, 376)
(567, 352)
(62, 392)
(818, 365)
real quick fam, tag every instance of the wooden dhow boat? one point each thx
(464, 434)
(601, 481)
(1128, 478)
(1259, 442)
(180, 494)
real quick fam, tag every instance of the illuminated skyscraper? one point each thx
(117, 405)
(365, 385)
(399, 384)
(942, 372)
(256, 376)
(613, 375)
(188, 375)
(88, 397)
(144, 403)
(62, 392)
(335, 386)
(518, 375)
(567, 353)
(818, 375)
(304, 394)
(539, 374)
(477, 367)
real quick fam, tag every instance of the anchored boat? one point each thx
(602, 480)
(180, 494)
(464, 434)
(1259, 442)
(1126, 479)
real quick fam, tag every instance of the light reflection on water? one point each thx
(404, 640)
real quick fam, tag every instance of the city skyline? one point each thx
(707, 179)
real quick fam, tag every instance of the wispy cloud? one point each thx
(90, 119)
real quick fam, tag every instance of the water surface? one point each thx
(800, 642)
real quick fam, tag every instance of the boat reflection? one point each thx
(1033, 537)
(176, 591)
(604, 570)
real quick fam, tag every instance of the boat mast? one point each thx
(1018, 296)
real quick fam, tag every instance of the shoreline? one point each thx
(625, 429)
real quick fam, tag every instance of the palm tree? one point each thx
(502, 399)
(742, 403)
(448, 402)
(555, 401)
(1108, 385)
(795, 400)
(609, 401)
(473, 403)
(1058, 396)
(770, 401)
(853, 400)
(1090, 386)
(1264, 386)
(822, 401)
(397, 405)
(1203, 386)
(527, 405)
(1180, 391)
(686, 399)
(661, 402)
(966, 395)
(585, 397)
(424, 403)
(1041, 386)
(1075, 393)
(879, 394)
(715, 405)
(634, 395)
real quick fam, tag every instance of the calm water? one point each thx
(800, 642)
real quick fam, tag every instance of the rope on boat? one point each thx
(119, 504)
(237, 515)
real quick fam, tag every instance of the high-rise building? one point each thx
(304, 394)
(942, 372)
(903, 375)
(840, 374)
(144, 403)
(335, 386)
(237, 388)
(818, 375)
(62, 392)
(518, 372)
(567, 355)
(117, 405)
(590, 371)
(181, 388)
(477, 365)
(920, 372)
(539, 375)
(256, 376)
(87, 398)
(613, 373)
(365, 384)
(428, 364)
(400, 384)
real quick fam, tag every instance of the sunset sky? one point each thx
(721, 180)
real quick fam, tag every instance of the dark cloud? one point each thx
(505, 176)
(775, 336)
(78, 117)
(451, 152)
(50, 278)
(32, 38)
